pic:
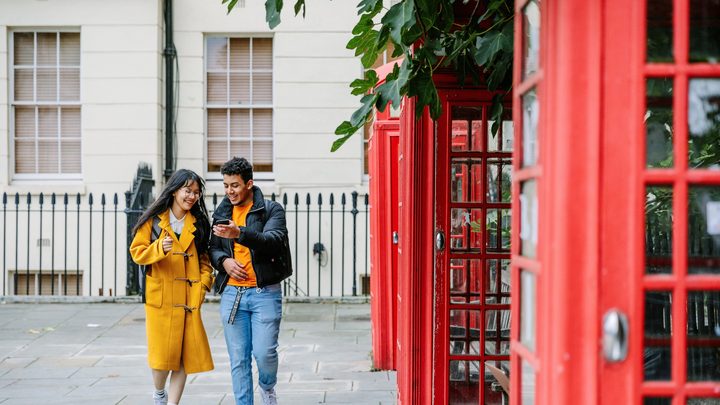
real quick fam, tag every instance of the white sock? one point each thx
(160, 393)
(172, 403)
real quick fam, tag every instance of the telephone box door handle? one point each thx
(440, 240)
(615, 336)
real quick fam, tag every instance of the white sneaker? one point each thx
(268, 397)
(160, 399)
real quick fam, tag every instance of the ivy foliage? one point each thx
(477, 45)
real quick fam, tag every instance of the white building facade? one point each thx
(82, 104)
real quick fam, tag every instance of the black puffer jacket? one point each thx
(265, 234)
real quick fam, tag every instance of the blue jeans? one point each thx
(254, 330)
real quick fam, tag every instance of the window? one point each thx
(45, 101)
(239, 101)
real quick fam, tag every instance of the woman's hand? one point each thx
(167, 244)
(229, 231)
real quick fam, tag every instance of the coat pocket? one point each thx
(153, 292)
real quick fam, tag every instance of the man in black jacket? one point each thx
(248, 249)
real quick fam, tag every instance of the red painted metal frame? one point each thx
(518, 352)
(568, 88)
(383, 155)
(680, 177)
(570, 136)
(449, 99)
(630, 178)
(415, 257)
(620, 197)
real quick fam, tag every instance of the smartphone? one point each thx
(222, 221)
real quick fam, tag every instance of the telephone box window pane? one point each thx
(703, 339)
(659, 123)
(528, 309)
(528, 218)
(497, 225)
(465, 281)
(704, 230)
(658, 328)
(501, 139)
(704, 32)
(466, 229)
(531, 112)
(527, 384)
(658, 230)
(466, 129)
(497, 382)
(657, 401)
(659, 31)
(466, 180)
(497, 332)
(499, 180)
(465, 327)
(464, 385)
(702, 401)
(531, 31)
(497, 283)
(704, 123)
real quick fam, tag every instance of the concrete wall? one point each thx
(312, 72)
(120, 87)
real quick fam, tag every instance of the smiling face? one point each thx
(237, 190)
(186, 196)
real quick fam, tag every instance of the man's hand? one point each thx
(234, 269)
(167, 244)
(229, 231)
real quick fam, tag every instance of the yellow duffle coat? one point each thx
(175, 288)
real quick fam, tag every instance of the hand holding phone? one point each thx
(225, 228)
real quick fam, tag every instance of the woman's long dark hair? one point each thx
(179, 179)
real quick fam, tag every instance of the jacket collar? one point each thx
(224, 209)
(186, 236)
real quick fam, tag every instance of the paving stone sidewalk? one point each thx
(95, 354)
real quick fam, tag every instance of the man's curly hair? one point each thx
(239, 166)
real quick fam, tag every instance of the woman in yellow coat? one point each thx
(179, 275)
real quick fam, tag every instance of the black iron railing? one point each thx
(53, 243)
(78, 245)
(327, 241)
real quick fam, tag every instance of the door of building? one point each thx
(472, 252)
(660, 202)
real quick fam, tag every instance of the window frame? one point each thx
(12, 104)
(257, 175)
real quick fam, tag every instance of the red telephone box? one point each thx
(615, 225)
(615, 258)
(384, 237)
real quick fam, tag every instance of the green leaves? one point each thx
(496, 112)
(488, 46)
(362, 86)
(428, 34)
(367, 6)
(357, 121)
(399, 19)
(422, 86)
(230, 4)
(273, 8)
(298, 5)
(272, 12)
(394, 87)
(367, 41)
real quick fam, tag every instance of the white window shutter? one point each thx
(46, 78)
